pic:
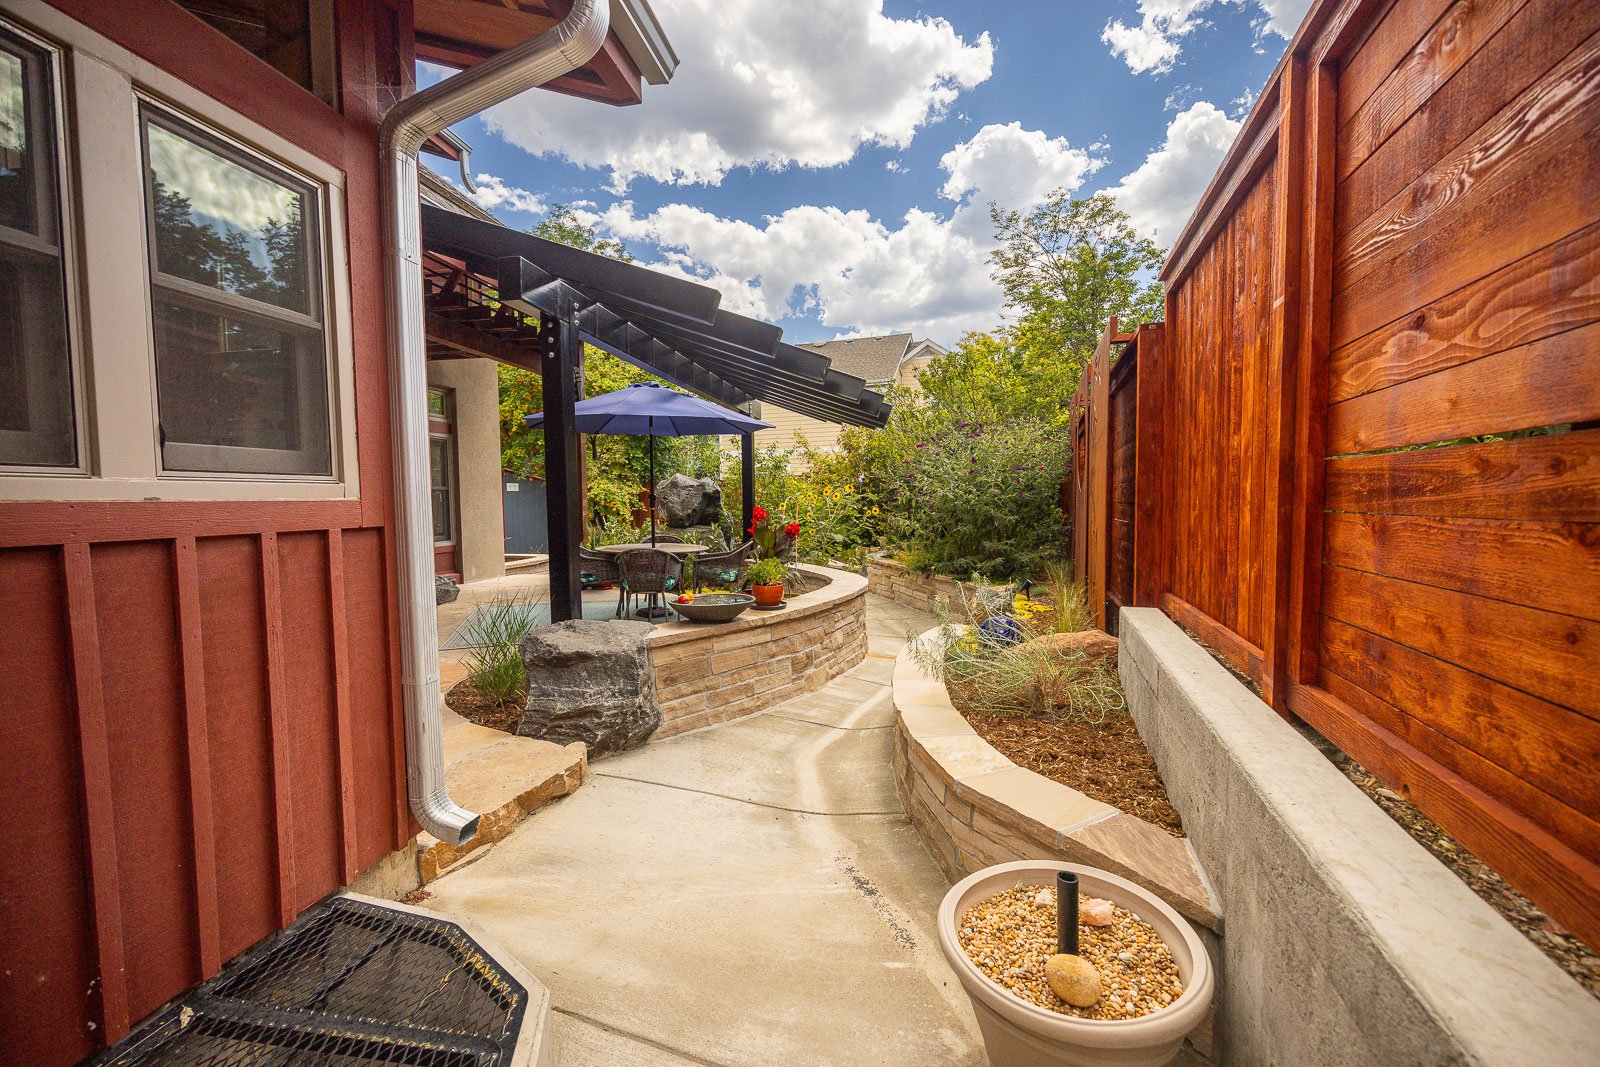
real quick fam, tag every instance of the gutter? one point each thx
(562, 48)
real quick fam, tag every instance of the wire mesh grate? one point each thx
(349, 983)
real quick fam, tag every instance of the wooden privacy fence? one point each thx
(1360, 458)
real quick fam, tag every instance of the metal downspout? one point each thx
(562, 48)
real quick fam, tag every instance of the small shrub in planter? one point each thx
(766, 580)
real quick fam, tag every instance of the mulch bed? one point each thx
(464, 700)
(1108, 762)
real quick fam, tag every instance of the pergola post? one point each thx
(747, 469)
(563, 362)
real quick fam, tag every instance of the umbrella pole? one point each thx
(651, 424)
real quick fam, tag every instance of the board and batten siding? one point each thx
(200, 729)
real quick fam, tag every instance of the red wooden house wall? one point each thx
(200, 732)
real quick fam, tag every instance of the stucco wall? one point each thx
(482, 545)
(1343, 940)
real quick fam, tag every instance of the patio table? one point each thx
(676, 550)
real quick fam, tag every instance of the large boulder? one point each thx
(1095, 646)
(590, 681)
(685, 501)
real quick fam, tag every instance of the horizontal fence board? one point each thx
(1550, 478)
(1550, 196)
(1541, 35)
(1527, 854)
(1548, 292)
(1241, 654)
(1444, 49)
(1547, 382)
(1551, 747)
(1394, 32)
(1554, 566)
(1553, 656)
(1554, 115)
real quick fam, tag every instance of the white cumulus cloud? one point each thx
(492, 192)
(1160, 194)
(762, 84)
(928, 274)
(1153, 44)
(1013, 167)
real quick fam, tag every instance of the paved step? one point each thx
(504, 779)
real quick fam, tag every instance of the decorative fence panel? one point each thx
(1367, 463)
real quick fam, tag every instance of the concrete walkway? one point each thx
(749, 893)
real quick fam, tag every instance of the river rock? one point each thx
(1073, 979)
(684, 501)
(590, 681)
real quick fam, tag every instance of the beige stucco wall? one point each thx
(482, 544)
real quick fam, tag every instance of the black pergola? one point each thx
(668, 326)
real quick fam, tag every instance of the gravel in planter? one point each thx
(1009, 936)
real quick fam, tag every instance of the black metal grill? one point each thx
(348, 983)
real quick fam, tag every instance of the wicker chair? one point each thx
(723, 567)
(603, 569)
(650, 572)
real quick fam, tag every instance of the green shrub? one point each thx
(982, 500)
(494, 665)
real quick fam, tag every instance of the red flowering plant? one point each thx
(773, 538)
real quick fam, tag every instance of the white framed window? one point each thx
(200, 342)
(240, 349)
(38, 381)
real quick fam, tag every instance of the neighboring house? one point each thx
(891, 360)
(210, 642)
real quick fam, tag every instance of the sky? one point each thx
(829, 165)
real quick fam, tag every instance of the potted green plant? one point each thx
(766, 581)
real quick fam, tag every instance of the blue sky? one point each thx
(828, 165)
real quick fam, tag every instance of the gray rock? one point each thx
(685, 501)
(445, 590)
(590, 681)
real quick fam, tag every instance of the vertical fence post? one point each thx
(1149, 520)
(1282, 362)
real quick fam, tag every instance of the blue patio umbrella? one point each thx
(645, 408)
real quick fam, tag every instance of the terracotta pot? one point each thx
(1019, 1034)
(767, 595)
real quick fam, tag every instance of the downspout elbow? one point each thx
(559, 50)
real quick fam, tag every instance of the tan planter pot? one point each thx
(1019, 1034)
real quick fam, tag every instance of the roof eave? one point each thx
(641, 34)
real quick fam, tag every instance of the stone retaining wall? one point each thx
(1344, 940)
(709, 673)
(894, 581)
(974, 808)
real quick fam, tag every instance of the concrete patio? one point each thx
(749, 893)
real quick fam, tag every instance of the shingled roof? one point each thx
(874, 358)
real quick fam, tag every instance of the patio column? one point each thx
(747, 469)
(563, 479)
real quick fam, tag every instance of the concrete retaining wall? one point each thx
(712, 673)
(1343, 940)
